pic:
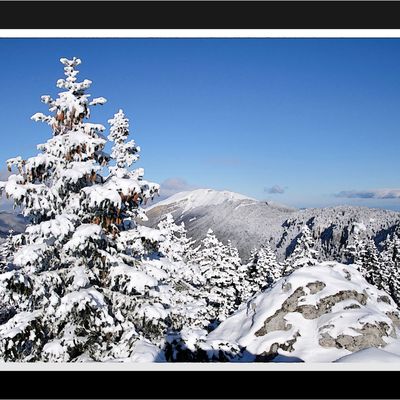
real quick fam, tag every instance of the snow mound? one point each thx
(202, 198)
(317, 314)
(371, 355)
(146, 352)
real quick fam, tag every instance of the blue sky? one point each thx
(309, 123)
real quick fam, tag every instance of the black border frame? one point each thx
(200, 385)
(200, 15)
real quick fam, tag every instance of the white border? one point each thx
(199, 33)
(212, 366)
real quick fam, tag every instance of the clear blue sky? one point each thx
(310, 118)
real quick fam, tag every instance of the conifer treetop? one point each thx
(124, 152)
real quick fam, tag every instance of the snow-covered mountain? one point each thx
(249, 223)
(317, 314)
(189, 200)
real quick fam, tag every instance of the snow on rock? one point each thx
(202, 197)
(370, 355)
(145, 351)
(317, 314)
(55, 351)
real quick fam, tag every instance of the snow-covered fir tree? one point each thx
(263, 269)
(390, 266)
(176, 245)
(304, 252)
(219, 265)
(356, 249)
(247, 286)
(69, 292)
(372, 263)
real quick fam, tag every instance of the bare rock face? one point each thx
(317, 314)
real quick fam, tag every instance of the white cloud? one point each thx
(173, 185)
(370, 194)
(276, 189)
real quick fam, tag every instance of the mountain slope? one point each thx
(249, 223)
(189, 200)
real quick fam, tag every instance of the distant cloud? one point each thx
(276, 189)
(173, 185)
(370, 194)
(224, 161)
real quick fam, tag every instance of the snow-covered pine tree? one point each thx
(176, 244)
(159, 253)
(59, 295)
(218, 266)
(124, 153)
(247, 286)
(266, 270)
(235, 263)
(355, 250)
(390, 266)
(179, 249)
(304, 252)
(221, 267)
(394, 286)
(372, 263)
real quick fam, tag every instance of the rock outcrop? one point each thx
(316, 314)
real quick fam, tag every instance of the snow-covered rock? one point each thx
(317, 314)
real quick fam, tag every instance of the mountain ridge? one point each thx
(250, 223)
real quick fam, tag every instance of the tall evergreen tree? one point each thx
(218, 266)
(175, 245)
(65, 294)
(356, 251)
(390, 266)
(304, 252)
(372, 264)
(262, 270)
